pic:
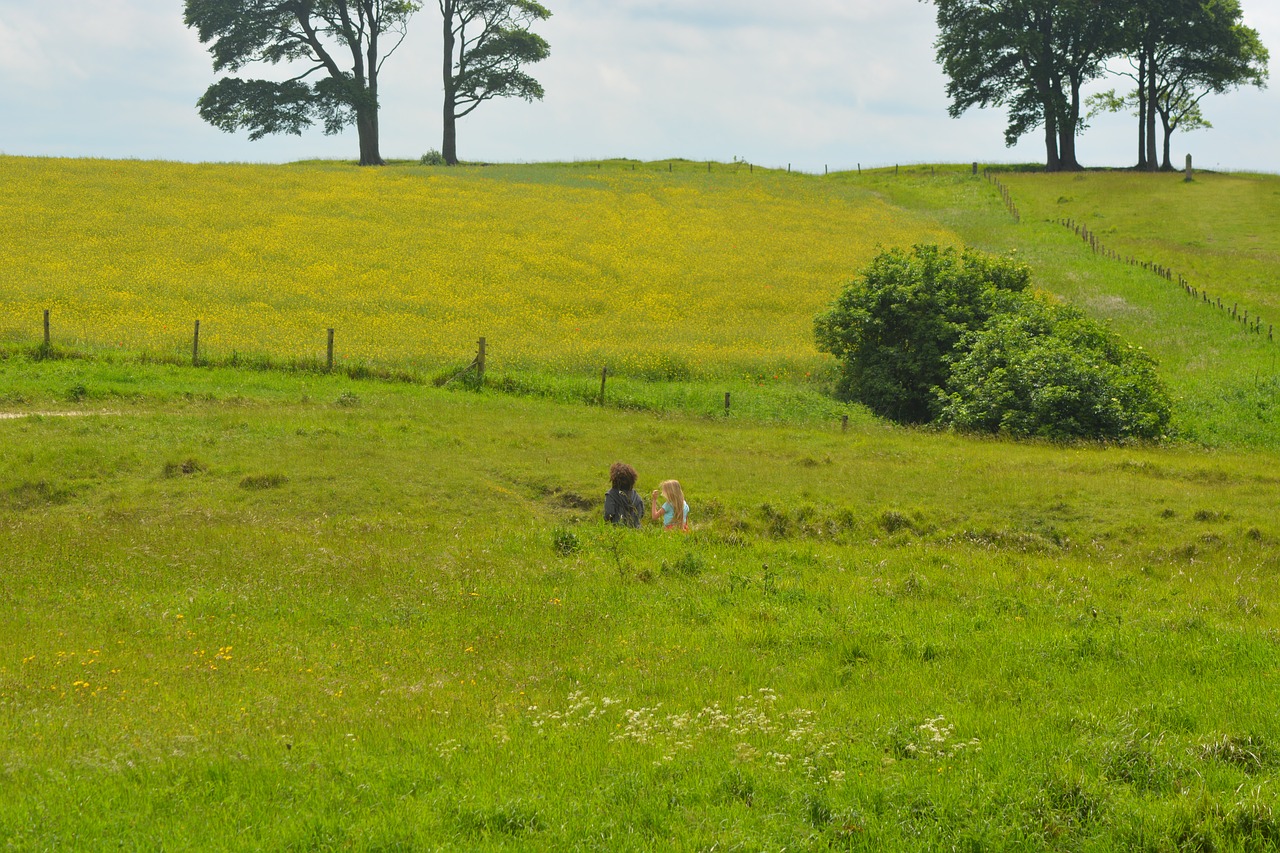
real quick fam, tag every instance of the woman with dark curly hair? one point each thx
(622, 505)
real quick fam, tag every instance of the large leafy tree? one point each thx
(487, 43)
(1180, 52)
(1030, 56)
(340, 43)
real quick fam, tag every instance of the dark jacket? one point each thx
(623, 507)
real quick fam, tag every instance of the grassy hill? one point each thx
(282, 609)
(1226, 378)
(313, 612)
(679, 274)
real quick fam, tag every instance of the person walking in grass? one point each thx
(622, 504)
(674, 512)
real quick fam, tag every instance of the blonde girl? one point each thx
(674, 512)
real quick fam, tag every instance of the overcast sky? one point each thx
(813, 83)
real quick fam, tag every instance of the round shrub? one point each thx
(894, 329)
(938, 335)
(1050, 372)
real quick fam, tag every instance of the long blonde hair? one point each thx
(675, 496)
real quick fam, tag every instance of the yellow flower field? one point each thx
(561, 267)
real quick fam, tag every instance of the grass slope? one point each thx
(281, 609)
(692, 273)
(263, 611)
(1225, 378)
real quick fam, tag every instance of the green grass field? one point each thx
(279, 609)
(1226, 379)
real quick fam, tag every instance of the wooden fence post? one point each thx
(480, 362)
(844, 423)
(726, 402)
(604, 374)
(46, 328)
(195, 347)
(1188, 179)
(975, 168)
(329, 359)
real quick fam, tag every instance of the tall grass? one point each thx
(293, 611)
(675, 275)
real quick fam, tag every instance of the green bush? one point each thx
(1050, 372)
(942, 336)
(895, 329)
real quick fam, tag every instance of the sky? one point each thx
(814, 84)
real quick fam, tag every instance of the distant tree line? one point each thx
(342, 46)
(1030, 56)
(1034, 56)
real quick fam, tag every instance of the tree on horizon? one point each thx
(1180, 52)
(486, 45)
(1030, 56)
(242, 32)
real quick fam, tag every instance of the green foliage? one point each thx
(264, 107)
(431, 158)
(950, 337)
(565, 542)
(242, 32)
(1050, 372)
(1030, 56)
(894, 330)
(487, 44)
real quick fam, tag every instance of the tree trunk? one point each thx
(1067, 151)
(1052, 156)
(1142, 109)
(1167, 165)
(1067, 132)
(1052, 162)
(367, 127)
(449, 145)
(1152, 162)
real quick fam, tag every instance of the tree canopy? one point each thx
(1030, 56)
(340, 41)
(1179, 52)
(487, 44)
(1033, 57)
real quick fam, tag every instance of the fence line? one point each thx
(1091, 239)
(477, 364)
(1100, 249)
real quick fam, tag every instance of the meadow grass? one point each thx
(1224, 379)
(274, 611)
(258, 605)
(665, 275)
